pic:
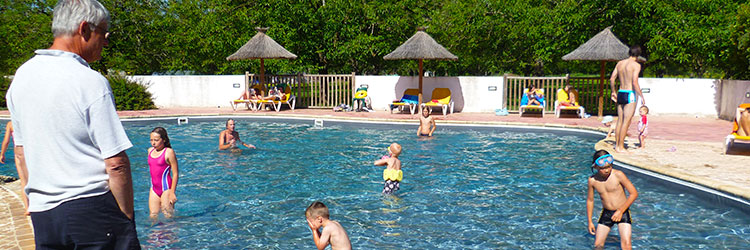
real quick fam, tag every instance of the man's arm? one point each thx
(590, 207)
(612, 84)
(223, 144)
(625, 182)
(6, 141)
(23, 174)
(636, 86)
(121, 181)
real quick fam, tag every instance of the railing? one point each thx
(514, 86)
(588, 92)
(312, 91)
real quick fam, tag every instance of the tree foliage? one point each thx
(689, 38)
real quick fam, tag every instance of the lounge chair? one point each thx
(441, 98)
(409, 99)
(734, 137)
(524, 108)
(250, 103)
(287, 99)
(562, 96)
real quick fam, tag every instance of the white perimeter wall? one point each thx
(470, 94)
(681, 96)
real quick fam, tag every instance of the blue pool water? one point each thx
(466, 188)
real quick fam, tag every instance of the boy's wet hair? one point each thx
(644, 107)
(163, 134)
(316, 209)
(635, 51)
(599, 154)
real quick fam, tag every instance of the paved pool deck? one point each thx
(685, 147)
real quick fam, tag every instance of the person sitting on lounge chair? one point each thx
(275, 94)
(533, 96)
(743, 120)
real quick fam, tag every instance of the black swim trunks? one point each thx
(606, 218)
(625, 97)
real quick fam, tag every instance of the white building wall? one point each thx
(470, 94)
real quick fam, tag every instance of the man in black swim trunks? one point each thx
(611, 185)
(627, 71)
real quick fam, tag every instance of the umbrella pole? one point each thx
(262, 76)
(601, 89)
(420, 85)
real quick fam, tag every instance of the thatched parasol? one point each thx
(421, 46)
(602, 47)
(261, 46)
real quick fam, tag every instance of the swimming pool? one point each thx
(467, 188)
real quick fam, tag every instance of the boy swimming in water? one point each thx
(392, 173)
(611, 185)
(426, 123)
(333, 233)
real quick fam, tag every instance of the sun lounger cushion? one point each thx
(410, 99)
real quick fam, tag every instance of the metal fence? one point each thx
(312, 91)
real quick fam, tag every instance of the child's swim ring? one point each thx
(360, 94)
(392, 174)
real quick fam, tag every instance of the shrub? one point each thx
(4, 84)
(130, 94)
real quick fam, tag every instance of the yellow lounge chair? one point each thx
(524, 108)
(287, 99)
(562, 96)
(249, 103)
(410, 99)
(441, 98)
(734, 137)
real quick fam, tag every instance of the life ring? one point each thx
(360, 94)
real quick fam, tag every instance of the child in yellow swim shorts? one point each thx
(392, 174)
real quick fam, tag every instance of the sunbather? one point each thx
(743, 120)
(533, 96)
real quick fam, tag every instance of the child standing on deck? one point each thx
(333, 233)
(392, 173)
(611, 185)
(643, 126)
(162, 162)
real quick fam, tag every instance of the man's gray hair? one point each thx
(68, 14)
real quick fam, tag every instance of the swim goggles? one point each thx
(604, 160)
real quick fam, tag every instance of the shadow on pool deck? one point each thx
(684, 147)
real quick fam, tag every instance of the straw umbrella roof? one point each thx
(261, 46)
(421, 46)
(603, 47)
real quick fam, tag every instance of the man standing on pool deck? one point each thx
(72, 142)
(611, 185)
(627, 71)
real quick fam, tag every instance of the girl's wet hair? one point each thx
(599, 154)
(163, 134)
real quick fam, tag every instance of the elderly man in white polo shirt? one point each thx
(80, 190)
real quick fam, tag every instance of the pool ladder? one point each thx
(182, 120)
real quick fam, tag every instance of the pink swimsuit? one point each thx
(161, 173)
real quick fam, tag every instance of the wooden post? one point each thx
(601, 89)
(421, 73)
(262, 77)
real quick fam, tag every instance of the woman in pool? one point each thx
(162, 162)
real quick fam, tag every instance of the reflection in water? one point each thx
(162, 235)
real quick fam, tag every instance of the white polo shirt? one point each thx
(64, 116)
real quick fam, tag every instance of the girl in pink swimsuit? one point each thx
(162, 162)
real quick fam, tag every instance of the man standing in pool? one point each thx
(627, 71)
(426, 123)
(611, 185)
(229, 138)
